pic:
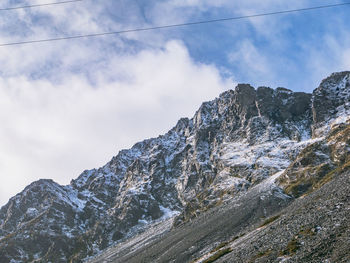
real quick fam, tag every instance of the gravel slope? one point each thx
(314, 228)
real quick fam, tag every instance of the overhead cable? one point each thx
(38, 5)
(171, 25)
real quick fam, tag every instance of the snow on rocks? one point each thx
(243, 139)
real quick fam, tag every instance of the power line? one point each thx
(172, 25)
(38, 5)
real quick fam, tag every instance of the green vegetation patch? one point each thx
(291, 248)
(223, 244)
(307, 231)
(307, 180)
(260, 255)
(237, 237)
(218, 255)
(270, 220)
(329, 177)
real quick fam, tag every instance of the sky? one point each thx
(71, 105)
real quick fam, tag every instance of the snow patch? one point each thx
(168, 213)
(32, 212)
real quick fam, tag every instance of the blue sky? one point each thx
(71, 105)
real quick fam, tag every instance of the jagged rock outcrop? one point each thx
(232, 144)
(331, 112)
(262, 224)
(330, 95)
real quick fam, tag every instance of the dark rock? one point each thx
(230, 146)
(332, 93)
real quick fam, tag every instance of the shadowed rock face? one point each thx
(333, 92)
(231, 145)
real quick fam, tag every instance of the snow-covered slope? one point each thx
(232, 144)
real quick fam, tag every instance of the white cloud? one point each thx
(56, 131)
(250, 59)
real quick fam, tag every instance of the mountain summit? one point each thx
(259, 150)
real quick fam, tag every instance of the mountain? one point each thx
(203, 189)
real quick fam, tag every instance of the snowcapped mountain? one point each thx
(233, 144)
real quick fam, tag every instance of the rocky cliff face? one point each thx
(232, 144)
(332, 97)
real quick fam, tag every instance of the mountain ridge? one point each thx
(232, 143)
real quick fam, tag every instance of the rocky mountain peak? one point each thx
(232, 143)
(331, 97)
(245, 106)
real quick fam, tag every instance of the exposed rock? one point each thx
(332, 93)
(232, 145)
